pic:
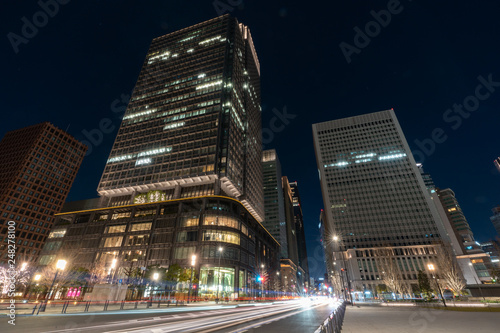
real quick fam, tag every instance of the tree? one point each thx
(449, 271)
(336, 282)
(389, 270)
(424, 284)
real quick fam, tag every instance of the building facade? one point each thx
(230, 245)
(39, 165)
(193, 124)
(375, 199)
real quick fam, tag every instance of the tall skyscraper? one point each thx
(374, 197)
(299, 229)
(183, 182)
(193, 124)
(274, 204)
(39, 165)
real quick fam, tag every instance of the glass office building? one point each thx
(193, 124)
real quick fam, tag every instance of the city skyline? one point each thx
(418, 118)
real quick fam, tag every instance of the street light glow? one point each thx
(220, 249)
(431, 267)
(113, 263)
(38, 277)
(23, 266)
(156, 276)
(193, 260)
(61, 264)
(335, 238)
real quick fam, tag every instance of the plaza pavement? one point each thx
(374, 319)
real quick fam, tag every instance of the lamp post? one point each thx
(478, 282)
(338, 241)
(36, 278)
(432, 269)
(193, 263)
(111, 268)
(60, 265)
(218, 275)
(278, 280)
(262, 280)
(155, 279)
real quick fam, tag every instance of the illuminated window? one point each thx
(115, 228)
(112, 241)
(141, 226)
(57, 233)
(221, 236)
(189, 221)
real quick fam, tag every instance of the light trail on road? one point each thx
(233, 317)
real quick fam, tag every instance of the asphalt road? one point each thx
(298, 316)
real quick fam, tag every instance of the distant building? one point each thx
(274, 204)
(429, 183)
(456, 217)
(291, 234)
(300, 230)
(39, 165)
(374, 197)
(495, 219)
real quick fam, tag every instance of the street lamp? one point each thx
(60, 265)
(337, 240)
(262, 279)
(475, 279)
(218, 275)
(112, 268)
(23, 266)
(193, 263)
(156, 276)
(432, 269)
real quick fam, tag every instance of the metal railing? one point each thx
(333, 324)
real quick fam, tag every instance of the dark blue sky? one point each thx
(75, 69)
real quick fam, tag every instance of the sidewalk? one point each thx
(380, 319)
(99, 306)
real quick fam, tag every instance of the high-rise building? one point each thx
(456, 217)
(184, 177)
(39, 165)
(193, 124)
(374, 197)
(495, 219)
(299, 229)
(497, 163)
(291, 235)
(429, 183)
(274, 205)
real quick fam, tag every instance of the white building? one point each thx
(374, 198)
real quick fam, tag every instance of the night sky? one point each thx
(82, 64)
